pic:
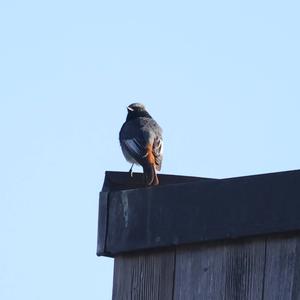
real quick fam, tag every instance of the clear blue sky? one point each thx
(221, 77)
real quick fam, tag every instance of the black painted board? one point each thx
(102, 224)
(146, 276)
(117, 181)
(203, 210)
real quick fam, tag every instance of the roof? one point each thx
(184, 210)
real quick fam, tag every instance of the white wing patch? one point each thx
(158, 152)
(160, 147)
(134, 146)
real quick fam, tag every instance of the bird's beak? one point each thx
(129, 108)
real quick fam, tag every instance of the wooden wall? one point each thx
(252, 268)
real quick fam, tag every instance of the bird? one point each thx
(141, 142)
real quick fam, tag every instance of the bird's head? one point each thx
(136, 110)
(134, 107)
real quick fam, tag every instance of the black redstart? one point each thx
(141, 142)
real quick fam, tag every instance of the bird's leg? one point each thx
(130, 171)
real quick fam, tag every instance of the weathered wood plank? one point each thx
(197, 272)
(144, 276)
(282, 268)
(220, 271)
(244, 269)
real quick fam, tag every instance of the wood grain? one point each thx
(144, 276)
(263, 268)
(282, 268)
(220, 271)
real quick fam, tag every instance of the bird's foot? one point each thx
(131, 172)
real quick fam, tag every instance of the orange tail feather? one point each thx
(150, 175)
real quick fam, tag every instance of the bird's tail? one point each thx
(150, 175)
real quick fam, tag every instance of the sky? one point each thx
(220, 77)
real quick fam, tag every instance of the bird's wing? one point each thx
(136, 148)
(142, 143)
(133, 141)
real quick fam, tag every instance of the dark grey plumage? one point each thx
(141, 141)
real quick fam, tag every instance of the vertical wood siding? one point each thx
(246, 269)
